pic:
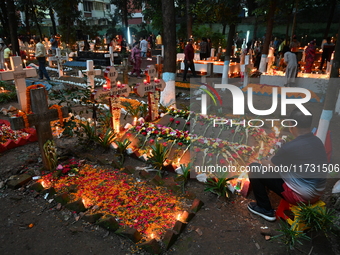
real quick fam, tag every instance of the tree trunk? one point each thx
(4, 18)
(27, 21)
(294, 20)
(13, 26)
(331, 94)
(189, 19)
(36, 22)
(54, 27)
(229, 48)
(224, 26)
(330, 18)
(269, 31)
(168, 96)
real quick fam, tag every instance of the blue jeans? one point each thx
(42, 68)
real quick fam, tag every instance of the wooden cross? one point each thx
(41, 118)
(111, 55)
(90, 72)
(152, 86)
(18, 74)
(117, 90)
(60, 59)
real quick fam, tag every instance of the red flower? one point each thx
(143, 133)
(234, 155)
(165, 144)
(151, 141)
(233, 131)
(210, 154)
(197, 149)
(188, 123)
(177, 122)
(223, 161)
(156, 132)
(180, 144)
(171, 119)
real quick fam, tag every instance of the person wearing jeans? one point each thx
(189, 54)
(299, 185)
(40, 54)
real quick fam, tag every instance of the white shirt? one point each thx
(144, 46)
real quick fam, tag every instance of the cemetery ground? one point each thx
(31, 224)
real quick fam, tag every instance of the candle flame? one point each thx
(178, 217)
(152, 235)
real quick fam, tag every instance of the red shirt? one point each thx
(189, 52)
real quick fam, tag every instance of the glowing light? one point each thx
(178, 217)
(134, 123)
(44, 184)
(152, 235)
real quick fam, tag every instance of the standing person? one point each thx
(327, 50)
(54, 41)
(136, 60)
(7, 54)
(291, 69)
(2, 49)
(159, 40)
(189, 54)
(203, 48)
(303, 186)
(143, 47)
(310, 56)
(40, 54)
(123, 45)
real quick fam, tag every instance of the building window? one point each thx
(99, 6)
(88, 6)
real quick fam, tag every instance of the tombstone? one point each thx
(117, 90)
(111, 55)
(225, 73)
(40, 119)
(90, 72)
(18, 74)
(152, 86)
(247, 67)
(60, 59)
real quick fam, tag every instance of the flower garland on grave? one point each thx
(25, 118)
(135, 204)
(60, 113)
(6, 133)
(28, 95)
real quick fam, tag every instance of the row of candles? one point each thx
(7, 68)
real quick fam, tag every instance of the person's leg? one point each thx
(192, 68)
(44, 71)
(260, 186)
(40, 68)
(186, 67)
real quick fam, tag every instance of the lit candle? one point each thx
(144, 81)
(152, 235)
(277, 131)
(178, 217)
(25, 63)
(134, 123)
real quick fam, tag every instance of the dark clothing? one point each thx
(203, 50)
(327, 51)
(189, 61)
(189, 52)
(301, 183)
(42, 68)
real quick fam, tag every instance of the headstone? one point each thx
(41, 119)
(60, 59)
(19, 74)
(247, 67)
(111, 55)
(152, 86)
(90, 72)
(117, 90)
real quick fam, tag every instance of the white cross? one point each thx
(60, 59)
(111, 55)
(117, 90)
(18, 74)
(247, 68)
(90, 72)
(152, 86)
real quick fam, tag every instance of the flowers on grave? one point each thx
(6, 134)
(28, 95)
(71, 168)
(133, 203)
(60, 113)
(24, 117)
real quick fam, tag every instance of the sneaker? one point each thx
(265, 214)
